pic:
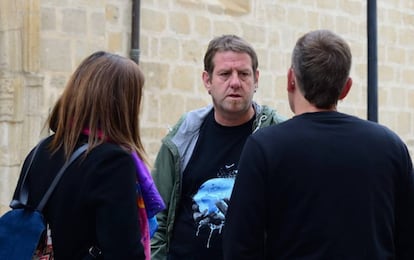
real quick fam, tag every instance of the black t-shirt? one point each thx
(207, 184)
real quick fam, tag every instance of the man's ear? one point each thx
(291, 83)
(206, 81)
(346, 89)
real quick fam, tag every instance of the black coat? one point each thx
(94, 203)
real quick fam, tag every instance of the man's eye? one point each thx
(244, 74)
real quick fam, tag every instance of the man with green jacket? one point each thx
(197, 163)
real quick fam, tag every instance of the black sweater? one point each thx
(322, 186)
(94, 203)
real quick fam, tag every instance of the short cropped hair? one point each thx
(228, 43)
(321, 61)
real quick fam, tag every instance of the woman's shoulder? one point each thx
(108, 163)
(109, 148)
(109, 151)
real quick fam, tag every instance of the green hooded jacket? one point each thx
(175, 152)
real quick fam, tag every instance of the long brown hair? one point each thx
(103, 95)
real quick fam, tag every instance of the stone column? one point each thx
(21, 89)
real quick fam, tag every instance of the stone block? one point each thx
(48, 19)
(202, 25)
(144, 45)
(33, 98)
(408, 76)
(152, 20)
(276, 13)
(326, 4)
(74, 21)
(10, 50)
(279, 85)
(150, 111)
(279, 62)
(386, 73)
(224, 27)
(57, 3)
(112, 14)
(393, 16)
(398, 97)
(184, 78)
(11, 15)
(83, 47)
(174, 104)
(31, 132)
(388, 35)
(410, 98)
(154, 133)
(408, 19)
(154, 47)
(156, 75)
(97, 24)
(383, 96)
(404, 126)
(312, 18)
(351, 7)
(58, 81)
(406, 38)
(115, 41)
(179, 22)
(326, 20)
(395, 54)
(197, 102)
(10, 98)
(170, 48)
(8, 181)
(10, 137)
(295, 16)
(56, 55)
(4, 143)
(193, 52)
(126, 17)
(92, 3)
(229, 7)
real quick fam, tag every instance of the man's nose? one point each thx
(235, 80)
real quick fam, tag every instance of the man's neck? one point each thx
(309, 108)
(234, 119)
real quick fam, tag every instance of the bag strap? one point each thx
(24, 192)
(59, 175)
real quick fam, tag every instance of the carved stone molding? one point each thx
(230, 6)
(19, 56)
(21, 87)
(31, 36)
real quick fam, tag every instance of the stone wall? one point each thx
(42, 41)
(21, 89)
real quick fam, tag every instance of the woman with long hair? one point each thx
(105, 199)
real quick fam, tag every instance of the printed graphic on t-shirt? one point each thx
(211, 202)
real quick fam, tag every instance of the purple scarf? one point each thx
(152, 199)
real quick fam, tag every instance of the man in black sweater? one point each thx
(322, 185)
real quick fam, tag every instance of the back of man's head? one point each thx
(321, 61)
